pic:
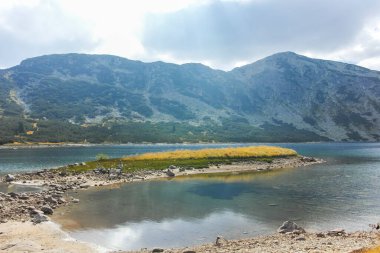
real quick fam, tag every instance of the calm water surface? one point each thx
(344, 192)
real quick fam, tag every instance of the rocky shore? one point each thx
(35, 206)
(331, 242)
(22, 210)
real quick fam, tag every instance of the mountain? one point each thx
(98, 98)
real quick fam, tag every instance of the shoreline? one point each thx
(37, 235)
(329, 241)
(23, 208)
(77, 144)
(55, 186)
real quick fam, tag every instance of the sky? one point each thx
(222, 34)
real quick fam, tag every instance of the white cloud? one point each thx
(228, 32)
(221, 34)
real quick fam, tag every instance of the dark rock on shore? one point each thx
(170, 173)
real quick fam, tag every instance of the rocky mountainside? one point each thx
(286, 96)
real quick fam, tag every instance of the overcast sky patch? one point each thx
(221, 34)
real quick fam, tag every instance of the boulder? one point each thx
(112, 176)
(23, 196)
(220, 241)
(85, 185)
(157, 250)
(75, 200)
(13, 194)
(51, 200)
(9, 178)
(336, 232)
(61, 200)
(62, 173)
(308, 159)
(290, 227)
(47, 209)
(170, 173)
(38, 218)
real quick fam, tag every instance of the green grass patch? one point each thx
(137, 165)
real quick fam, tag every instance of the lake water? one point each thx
(343, 192)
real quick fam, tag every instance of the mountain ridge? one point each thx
(326, 100)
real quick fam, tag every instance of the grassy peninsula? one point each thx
(186, 158)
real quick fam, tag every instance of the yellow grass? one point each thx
(239, 152)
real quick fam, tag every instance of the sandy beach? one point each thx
(19, 236)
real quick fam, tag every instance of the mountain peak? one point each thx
(309, 98)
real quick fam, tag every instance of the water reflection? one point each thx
(171, 233)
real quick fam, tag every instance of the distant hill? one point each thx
(103, 98)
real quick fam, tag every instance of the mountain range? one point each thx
(104, 98)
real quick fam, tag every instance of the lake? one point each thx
(343, 192)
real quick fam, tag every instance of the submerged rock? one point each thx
(75, 200)
(290, 227)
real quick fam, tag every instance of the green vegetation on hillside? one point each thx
(100, 98)
(136, 132)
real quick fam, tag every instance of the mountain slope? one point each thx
(284, 96)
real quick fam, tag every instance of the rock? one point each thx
(13, 194)
(290, 227)
(61, 200)
(336, 232)
(321, 235)
(308, 159)
(158, 250)
(23, 196)
(112, 176)
(63, 173)
(301, 238)
(38, 218)
(9, 178)
(35, 211)
(172, 167)
(220, 241)
(375, 226)
(30, 208)
(51, 200)
(84, 185)
(170, 173)
(47, 209)
(75, 200)
(189, 251)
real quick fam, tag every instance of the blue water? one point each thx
(14, 160)
(343, 192)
